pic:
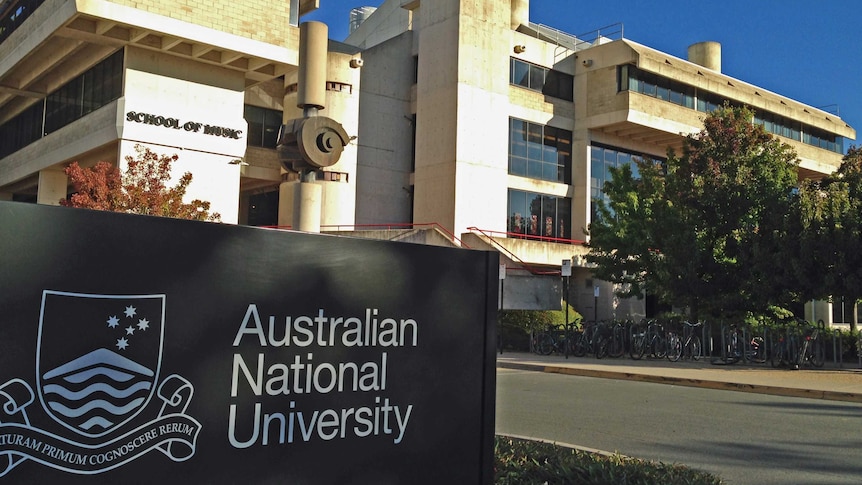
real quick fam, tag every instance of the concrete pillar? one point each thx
(52, 187)
(307, 206)
(520, 13)
(313, 44)
(300, 205)
(819, 310)
(706, 54)
(285, 203)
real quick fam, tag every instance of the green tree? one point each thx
(142, 189)
(829, 215)
(694, 229)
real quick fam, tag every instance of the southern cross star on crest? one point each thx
(125, 340)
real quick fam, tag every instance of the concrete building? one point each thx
(469, 124)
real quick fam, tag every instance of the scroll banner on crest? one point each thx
(172, 433)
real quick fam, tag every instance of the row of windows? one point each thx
(539, 215)
(602, 160)
(633, 79)
(100, 85)
(546, 81)
(95, 88)
(538, 151)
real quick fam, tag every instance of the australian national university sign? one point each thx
(149, 350)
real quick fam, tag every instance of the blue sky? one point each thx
(806, 50)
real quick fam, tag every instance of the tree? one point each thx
(142, 189)
(829, 215)
(694, 229)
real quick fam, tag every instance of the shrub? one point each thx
(523, 462)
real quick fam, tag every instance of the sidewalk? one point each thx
(827, 383)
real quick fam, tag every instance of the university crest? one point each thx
(98, 366)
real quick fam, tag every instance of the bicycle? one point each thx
(812, 348)
(648, 339)
(609, 340)
(585, 340)
(736, 346)
(688, 346)
(554, 339)
(798, 345)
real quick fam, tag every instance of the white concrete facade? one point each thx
(421, 86)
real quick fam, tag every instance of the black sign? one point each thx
(150, 350)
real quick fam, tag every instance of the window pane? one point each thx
(564, 218)
(520, 73)
(271, 125)
(662, 93)
(254, 118)
(533, 226)
(518, 166)
(537, 77)
(517, 211)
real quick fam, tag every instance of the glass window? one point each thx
(263, 126)
(91, 90)
(602, 159)
(541, 152)
(519, 73)
(538, 215)
(538, 78)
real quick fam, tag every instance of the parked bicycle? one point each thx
(648, 338)
(584, 341)
(688, 345)
(737, 343)
(553, 339)
(609, 339)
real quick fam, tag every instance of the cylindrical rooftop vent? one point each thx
(706, 54)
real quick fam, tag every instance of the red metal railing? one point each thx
(386, 227)
(489, 236)
(529, 237)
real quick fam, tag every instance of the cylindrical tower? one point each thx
(706, 54)
(311, 89)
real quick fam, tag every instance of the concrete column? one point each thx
(52, 187)
(520, 13)
(307, 203)
(285, 203)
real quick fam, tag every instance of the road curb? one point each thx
(679, 381)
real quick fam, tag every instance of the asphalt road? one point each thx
(745, 438)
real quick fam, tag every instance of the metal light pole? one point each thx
(500, 312)
(566, 272)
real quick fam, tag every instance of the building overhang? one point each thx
(63, 38)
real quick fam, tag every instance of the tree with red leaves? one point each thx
(142, 189)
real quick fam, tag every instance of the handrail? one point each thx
(529, 237)
(402, 225)
(387, 227)
(581, 41)
(512, 255)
